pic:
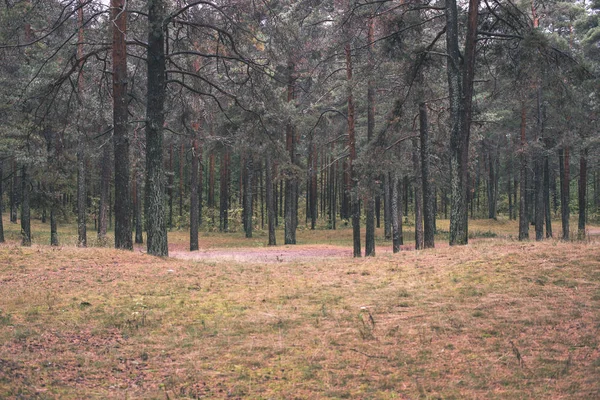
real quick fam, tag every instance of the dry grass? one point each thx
(495, 319)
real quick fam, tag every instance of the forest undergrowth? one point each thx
(495, 319)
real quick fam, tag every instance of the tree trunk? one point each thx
(156, 226)
(53, 223)
(547, 209)
(429, 198)
(248, 196)
(194, 200)
(139, 218)
(523, 217)
(25, 210)
(492, 186)
(104, 194)
(582, 193)
(270, 200)
(565, 181)
(313, 187)
(170, 185)
(1, 208)
(14, 194)
(224, 192)
(370, 198)
(418, 196)
(394, 209)
(387, 207)
(81, 153)
(211, 181)
(460, 89)
(291, 206)
(120, 136)
(352, 148)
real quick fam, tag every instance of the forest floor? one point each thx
(495, 319)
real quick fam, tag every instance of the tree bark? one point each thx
(1, 208)
(170, 185)
(139, 218)
(352, 148)
(370, 198)
(313, 187)
(460, 90)
(547, 208)
(270, 200)
(291, 206)
(394, 210)
(418, 196)
(429, 198)
(81, 151)
(582, 192)
(156, 226)
(387, 207)
(25, 210)
(523, 217)
(120, 136)
(194, 200)
(565, 181)
(248, 196)
(104, 194)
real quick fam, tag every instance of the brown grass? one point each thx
(494, 319)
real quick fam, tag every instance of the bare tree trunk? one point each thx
(352, 148)
(14, 194)
(291, 185)
(194, 200)
(523, 218)
(53, 223)
(181, 177)
(81, 153)
(393, 178)
(429, 198)
(387, 207)
(547, 208)
(418, 196)
(460, 89)
(270, 200)
(211, 181)
(104, 194)
(248, 196)
(156, 227)
(224, 192)
(582, 192)
(1, 208)
(370, 198)
(120, 136)
(170, 185)
(25, 210)
(565, 181)
(139, 218)
(313, 187)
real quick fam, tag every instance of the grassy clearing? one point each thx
(495, 319)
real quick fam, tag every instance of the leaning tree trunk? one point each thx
(194, 208)
(270, 200)
(155, 118)
(120, 136)
(460, 90)
(25, 210)
(563, 159)
(523, 218)
(582, 193)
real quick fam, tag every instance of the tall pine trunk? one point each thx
(81, 151)
(565, 197)
(271, 214)
(370, 198)
(387, 207)
(460, 90)
(418, 196)
(120, 136)
(352, 189)
(429, 198)
(155, 118)
(104, 194)
(523, 217)
(291, 186)
(394, 211)
(194, 198)
(547, 208)
(248, 197)
(25, 208)
(224, 192)
(139, 218)
(582, 193)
